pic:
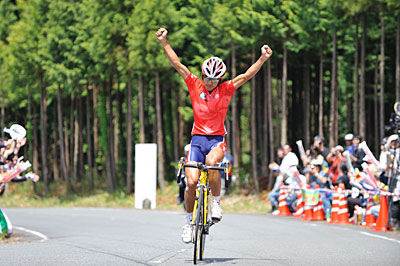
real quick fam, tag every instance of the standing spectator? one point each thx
(348, 139)
(358, 154)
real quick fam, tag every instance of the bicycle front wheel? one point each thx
(198, 229)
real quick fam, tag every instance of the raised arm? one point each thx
(161, 35)
(266, 53)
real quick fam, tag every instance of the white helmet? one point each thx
(213, 68)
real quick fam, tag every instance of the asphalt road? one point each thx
(97, 236)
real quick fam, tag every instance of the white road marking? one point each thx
(382, 237)
(42, 236)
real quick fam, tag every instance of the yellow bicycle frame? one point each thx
(203, 181)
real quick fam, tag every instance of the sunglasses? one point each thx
(214, 80)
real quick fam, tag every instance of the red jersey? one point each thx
(209, 109)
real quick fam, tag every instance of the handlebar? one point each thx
(200, 166)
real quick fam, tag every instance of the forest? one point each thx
(89, 80)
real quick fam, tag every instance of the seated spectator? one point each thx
(348, 139)
(358, 155)
(319, 142)
(320, 177)
(335, 162)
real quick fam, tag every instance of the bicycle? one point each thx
(201, 220)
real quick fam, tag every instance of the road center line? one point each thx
(382, 237)
(42, 236)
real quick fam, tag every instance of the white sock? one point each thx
(188, 217)
(216, 199)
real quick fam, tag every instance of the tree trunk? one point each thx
(129, 143)
(321, 95)
(270, 122)
(95, 129)
(356, 127)
(43, 132)
(89, 140)
(397, 81)
(33, 123)
(142, 136)
(72, 137)
(306, 103)
(104, 129)
(284, 81)
(3, 117)
(235, 117)
(64, 170)
(175, 124)
(332, 124)
(376, 115)
(76, 141)
(362, 79)
(264, 105)
(254, 128)
(56, 170)
(382, 80)
(160, 137)
(110, 99)
(81, 167)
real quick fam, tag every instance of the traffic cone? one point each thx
(300, 206)
(318, 211)
(343, 210)
(369, 218)
(383, 217)
(335, 207)
(308, 209)
(283, 208)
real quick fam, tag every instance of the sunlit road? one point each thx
(97, 236)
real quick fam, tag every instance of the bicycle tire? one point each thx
(198, 227)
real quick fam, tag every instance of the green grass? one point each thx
(21, 195)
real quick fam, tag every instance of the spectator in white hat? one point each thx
(349, 143)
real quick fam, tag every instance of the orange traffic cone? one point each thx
(343, 211)
(308, 209)
(300, 206)
(318, 212)
(383, 217)
(369, 218)
(335, 207)
(283, 208)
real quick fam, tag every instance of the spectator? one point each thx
(274, 194)
(289, 161)
(320, 177)
(335, 162)
(358, 154)
(319, 142)
(348, 139)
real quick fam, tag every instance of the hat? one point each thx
(392, 138)
(348, 137)
(318, 161)
(16, 131)
(339, 148)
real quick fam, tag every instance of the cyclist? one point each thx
(210, 99)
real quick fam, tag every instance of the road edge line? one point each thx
(42, 236)
(379, 236)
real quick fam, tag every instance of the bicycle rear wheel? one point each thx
(198, 228)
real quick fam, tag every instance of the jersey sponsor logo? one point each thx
(216, 96)
(202, 96)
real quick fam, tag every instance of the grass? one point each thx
(21, 195)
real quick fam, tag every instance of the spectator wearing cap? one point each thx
(358, 154)
(348, 139)
(335, 162)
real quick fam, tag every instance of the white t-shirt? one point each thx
(289, 162)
